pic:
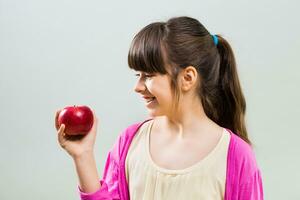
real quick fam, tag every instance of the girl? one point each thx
(195, 143)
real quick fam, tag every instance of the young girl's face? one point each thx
(155, 89)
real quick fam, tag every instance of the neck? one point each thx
(189, 120)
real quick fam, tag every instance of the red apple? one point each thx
(78, 120)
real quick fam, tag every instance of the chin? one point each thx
(153, 113)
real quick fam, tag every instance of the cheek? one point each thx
(163, 94)
(160, 89)
(150, 86)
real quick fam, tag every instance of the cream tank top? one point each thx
(204, 180)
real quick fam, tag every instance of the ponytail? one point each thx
(232, 113)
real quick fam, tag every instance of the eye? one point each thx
(146, 76)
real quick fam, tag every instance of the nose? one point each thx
(139, 86)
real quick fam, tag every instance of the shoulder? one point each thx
(241, 156)
(129, 132)
(243, 179)
(124, 139)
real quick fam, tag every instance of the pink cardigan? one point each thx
(243, 177)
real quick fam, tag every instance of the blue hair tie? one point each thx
(215, 38)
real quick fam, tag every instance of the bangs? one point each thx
(145, 53)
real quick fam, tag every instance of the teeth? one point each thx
(149, 100)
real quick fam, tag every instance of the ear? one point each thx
(189, 77)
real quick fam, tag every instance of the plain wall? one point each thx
(65, 52)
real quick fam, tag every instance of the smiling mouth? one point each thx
(150, 99)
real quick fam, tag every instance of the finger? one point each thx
(95, 122)
(94, 117)
(93, 131)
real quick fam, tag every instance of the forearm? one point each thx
(87, 173)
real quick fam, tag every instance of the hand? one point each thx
(79, 144)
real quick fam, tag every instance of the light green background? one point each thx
(64, 52)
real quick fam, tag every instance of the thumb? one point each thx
(56, 119)
(61, 134)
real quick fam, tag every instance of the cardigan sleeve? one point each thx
(109, 183)
(113, 174)
(109, 189)
(252, 189)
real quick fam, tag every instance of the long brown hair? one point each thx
(184, 41)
